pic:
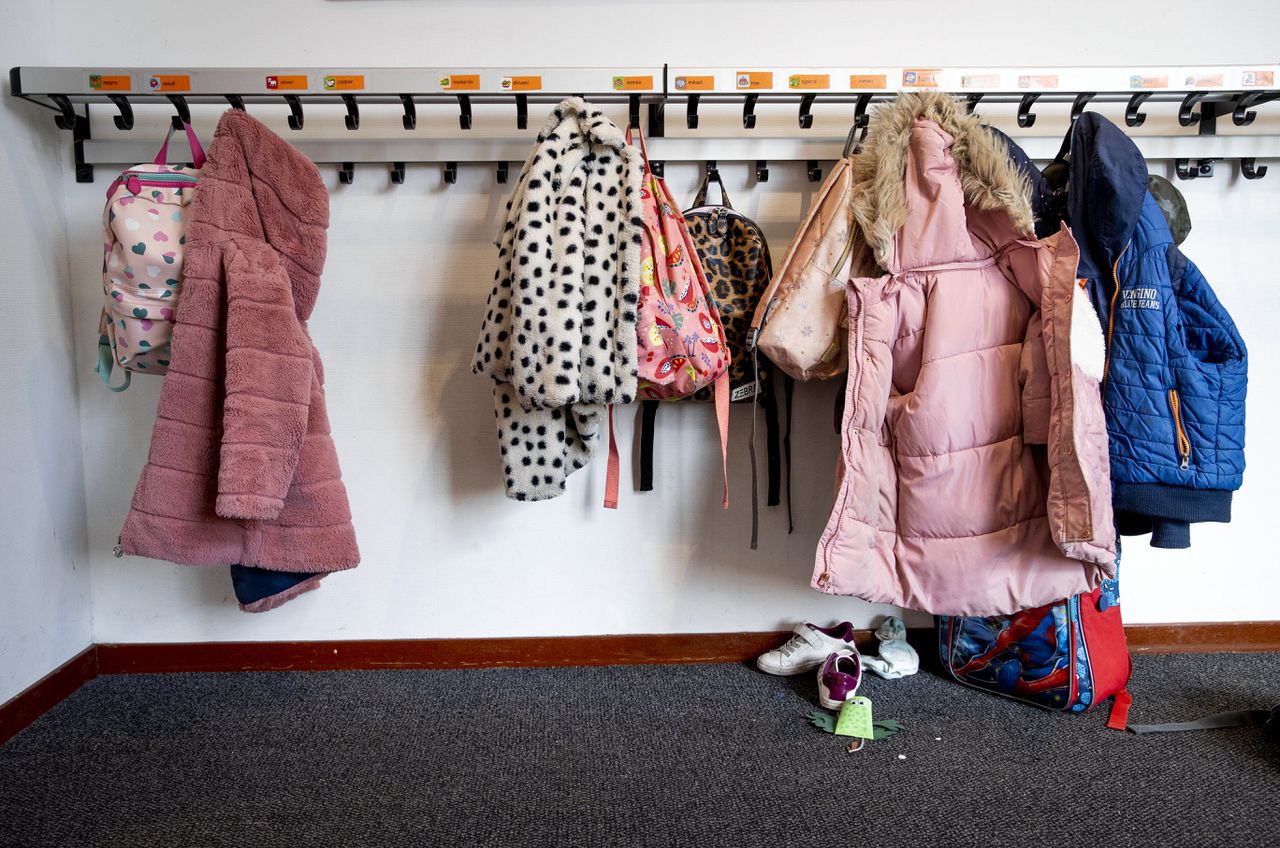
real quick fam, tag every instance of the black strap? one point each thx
(769, 401)
(649, 414)
(789, 384)
(1269, 719)
(751, 448)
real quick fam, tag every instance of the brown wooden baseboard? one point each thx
(1204, 637)
(524, 652)
(43, 695)
(528, 652)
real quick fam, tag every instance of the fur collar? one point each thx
(989, 179)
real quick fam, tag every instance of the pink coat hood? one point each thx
(974, 474)
(242, 468)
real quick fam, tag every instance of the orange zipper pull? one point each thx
(1184, 444)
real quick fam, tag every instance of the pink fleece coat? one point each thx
(242, 468)
(975, 477)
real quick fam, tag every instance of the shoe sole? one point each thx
(827, 702)
(778, 672)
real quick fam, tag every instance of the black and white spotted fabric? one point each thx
(559, 336)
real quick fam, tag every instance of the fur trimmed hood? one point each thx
(989, 180)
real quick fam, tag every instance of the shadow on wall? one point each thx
(55, 449)
(462, 403)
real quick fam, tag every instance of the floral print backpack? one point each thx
(681, 345)
(144, 238)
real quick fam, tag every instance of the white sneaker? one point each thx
(807, 649)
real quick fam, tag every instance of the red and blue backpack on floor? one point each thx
(1070, 655)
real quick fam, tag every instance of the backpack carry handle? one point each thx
(197, 151)
(700, 199)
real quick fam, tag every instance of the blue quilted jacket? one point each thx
(1176, 366)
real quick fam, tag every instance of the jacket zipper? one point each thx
(1111, 315)
(1184, 444)
(854, 376)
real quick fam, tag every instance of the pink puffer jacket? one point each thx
(975, 477)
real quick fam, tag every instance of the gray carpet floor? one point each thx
(651, 755)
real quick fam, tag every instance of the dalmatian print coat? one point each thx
(559, 334)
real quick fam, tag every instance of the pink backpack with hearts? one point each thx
(144, 238)
(681, 344)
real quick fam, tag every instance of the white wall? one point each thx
(445, 554)
(44, 582)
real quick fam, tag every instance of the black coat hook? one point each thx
(410, 119)
(749, 111)
(1185, 116)
(1081, 101)
(1186, 171)
(346, 173)
(450, 172)
(522, 111)
(353, 111)
(464, 111)
(659, 169)
(762, 171)
(633, 111)
(1027, 118)
(295, 108)
(1132, 117)
(1250, 171)
(713, 172)
(860, 117)
(814, 171)
(806, 103)
(184, 112)
(67, 119)
(1242, 115)
(235, 101)
(502, 172)
(124, 121)
(691, 111)
(397, 173)
(971, 102)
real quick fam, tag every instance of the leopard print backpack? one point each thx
(735, 258)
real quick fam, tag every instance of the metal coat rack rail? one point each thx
(1201, 99)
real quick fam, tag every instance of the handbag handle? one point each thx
(197, 152)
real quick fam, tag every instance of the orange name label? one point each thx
(460, 82)
(623, 83)
(169, 82)
(868, 81)
(696, 83)
(344, 82)
(1267, 78)
(1140, 81)
(921, 77)
(1038, 81)
(522, 83)
(754, 79)
(803, 81)
(286, 82)
(107, 82)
